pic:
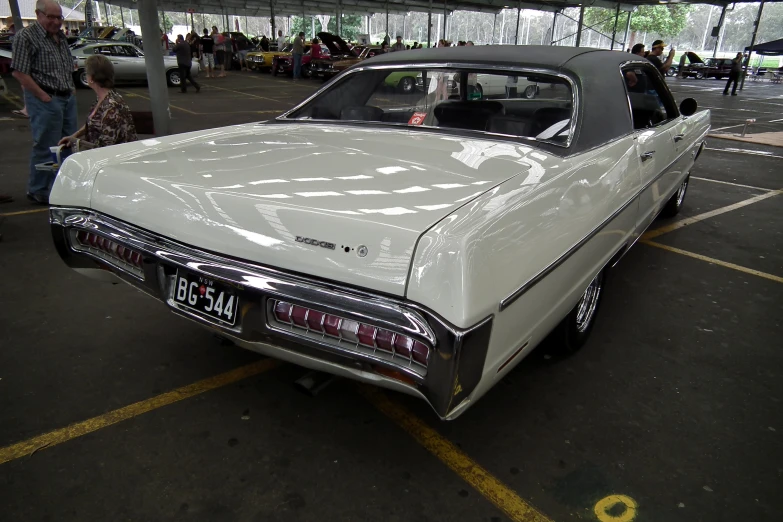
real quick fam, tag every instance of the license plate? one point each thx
(206, 297)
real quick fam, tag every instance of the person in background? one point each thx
(734, 75)
(230, 48)
(398, 46)
(297, 53)
(242, 47)
(220, 52)
(280, 40)
(184, 62)
(207, 45)
(387, 39)
(654, 56)
(110, 121)
(638, 49)
(384, 47)
(264, 43)
(43, 65)
(164, 42)
(315, 49)
(415, 45)
(470, 43)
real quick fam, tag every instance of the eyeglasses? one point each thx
(51, 17)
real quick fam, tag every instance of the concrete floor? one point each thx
(675, 401)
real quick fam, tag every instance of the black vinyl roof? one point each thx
(602, 103)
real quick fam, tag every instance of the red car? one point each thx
(285, 64)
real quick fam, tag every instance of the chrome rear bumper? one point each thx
(456, 359)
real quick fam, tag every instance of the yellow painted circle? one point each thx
(607, 503)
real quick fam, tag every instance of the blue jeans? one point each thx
(297, 65)
(49, 122)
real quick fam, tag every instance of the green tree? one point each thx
(665, 20)
(351, 27)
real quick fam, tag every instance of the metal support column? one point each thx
(752, 43)
(122, 17)
(387, 19)
(627, 31)
(272, 20)
(614, 31)
(156, 74)
(192, 24)
(554, 25)
(519, 13)
(580, 26)
(339, 22)
(494, 24)
(445, 16)
(429, 26)
(720, 26)
(15, 14)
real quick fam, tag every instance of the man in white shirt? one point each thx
(280, 40)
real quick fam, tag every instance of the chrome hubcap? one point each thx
(681, 192)
(83, 77)
(585, 310)
(174, 78)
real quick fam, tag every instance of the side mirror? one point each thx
(688, 107)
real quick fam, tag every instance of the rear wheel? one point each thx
(80, 78)
(573, 332)
(700, 75)
(674, 204)
(173, 78)
(531, 91)
(407, 84)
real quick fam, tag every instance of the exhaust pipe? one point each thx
(313, 383)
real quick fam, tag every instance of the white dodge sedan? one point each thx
(423, 241)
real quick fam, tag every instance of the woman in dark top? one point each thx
(110, 121)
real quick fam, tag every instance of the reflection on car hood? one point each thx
(336, 45)
(250, 191)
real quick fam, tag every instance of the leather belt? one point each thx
(55, 92)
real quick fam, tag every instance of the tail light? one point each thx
(112, 251)
(354, 332)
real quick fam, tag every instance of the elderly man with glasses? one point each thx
(43, 64)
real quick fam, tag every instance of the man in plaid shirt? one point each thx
(43, 64)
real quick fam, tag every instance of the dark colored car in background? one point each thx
(338, 50)
(284, 64)
(695, 67)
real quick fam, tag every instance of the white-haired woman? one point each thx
(110, 121)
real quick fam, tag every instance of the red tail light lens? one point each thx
(354, 332)
(111, 251)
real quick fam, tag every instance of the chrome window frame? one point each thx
(575, 96)
(647, 65)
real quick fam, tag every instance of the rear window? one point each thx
(511, 103)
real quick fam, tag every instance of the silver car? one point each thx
(128, 63)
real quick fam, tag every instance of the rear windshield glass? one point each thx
(530, 106)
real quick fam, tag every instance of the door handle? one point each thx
(116, 63)
(679, 137)
(647, 155)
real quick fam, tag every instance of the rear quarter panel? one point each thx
(465, 265)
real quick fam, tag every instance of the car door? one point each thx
(123, 66)
(655, 117)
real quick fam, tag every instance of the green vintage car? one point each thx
(403, 81)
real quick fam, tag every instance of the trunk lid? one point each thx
(344, 203)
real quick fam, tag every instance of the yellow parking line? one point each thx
(714, 261)
(21, 212)
(247, 94)
(468, 470)
(12, 99)
(130, 93)
(732, 184)
(47, 440)
(701, 217)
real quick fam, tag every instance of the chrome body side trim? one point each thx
(456, 358)
(506, 302)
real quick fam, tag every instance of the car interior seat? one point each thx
(546, 117)
(361, 113)
(474, 114)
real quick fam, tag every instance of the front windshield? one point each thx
(512, 103)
